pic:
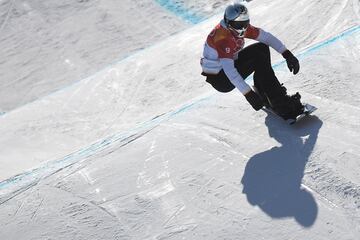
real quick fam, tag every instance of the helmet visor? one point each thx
(239, 25)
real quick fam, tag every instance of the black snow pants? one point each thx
(252, 59)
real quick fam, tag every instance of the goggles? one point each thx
(239, 25)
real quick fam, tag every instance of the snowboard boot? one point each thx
(288, 107)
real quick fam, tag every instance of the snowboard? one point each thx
(308, 109)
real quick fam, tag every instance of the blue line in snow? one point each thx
(323, 44)
(320, 45)
(180, 11)
(49, 168)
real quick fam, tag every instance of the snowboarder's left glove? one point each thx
(254, 100)
(292, 62)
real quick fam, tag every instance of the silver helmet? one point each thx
(237, 18)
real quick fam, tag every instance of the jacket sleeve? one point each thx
(234, 76)
(270, 40)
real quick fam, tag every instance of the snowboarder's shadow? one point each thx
(272, 179)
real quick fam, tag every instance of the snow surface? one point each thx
(143, 148)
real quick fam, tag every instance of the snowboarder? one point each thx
(226, 63)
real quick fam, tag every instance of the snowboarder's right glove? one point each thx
(292, 62)
(254, 100)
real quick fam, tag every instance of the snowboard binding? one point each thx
(289, 108)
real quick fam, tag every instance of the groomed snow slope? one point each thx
(210, 169)
(50, 44)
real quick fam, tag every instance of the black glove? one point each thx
(254, 100)
(292, 62)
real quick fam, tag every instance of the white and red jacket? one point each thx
(222, 47)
